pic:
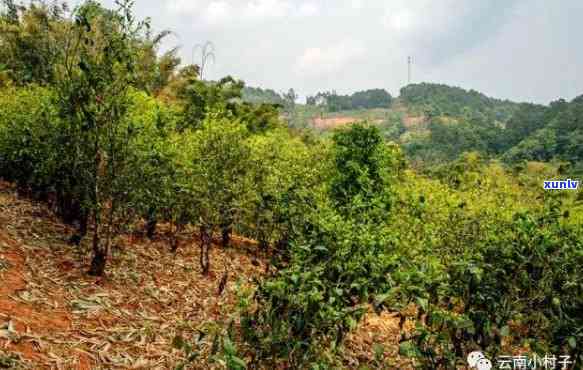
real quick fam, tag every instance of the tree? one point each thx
(338, 258)
(363, 168)
(290, 98)
(257, 95)
(34, 36)
(31, 38)
(452, 101)
(284, 172)
(215, 179)
(367, 99)
(200, 97)
(527, 119)
(95, 78)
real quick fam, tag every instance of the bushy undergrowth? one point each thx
(497, 285)
(486, 258)
(484, 265)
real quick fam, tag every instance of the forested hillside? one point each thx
(450, 121)
(556, 134)
(153, 219)
(460, 121)
(437, 100)
(258, 95)
(374, 98)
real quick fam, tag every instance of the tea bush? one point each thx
(476, 254)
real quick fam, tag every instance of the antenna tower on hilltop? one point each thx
(409, 62)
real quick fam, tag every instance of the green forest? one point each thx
(374, 98)
(444, 224)
(460, 121)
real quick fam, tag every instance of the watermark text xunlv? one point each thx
(561, 184)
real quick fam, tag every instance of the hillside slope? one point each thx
(439, 99)
(54, 316)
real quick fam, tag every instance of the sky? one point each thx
(523, 50)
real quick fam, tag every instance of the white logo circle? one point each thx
(484, 364)
(474, 357)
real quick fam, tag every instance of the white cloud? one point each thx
(289, 43)
(218, 12)
(401, 20)
(225, 12)
(436, 32)
(326, 60)
(308, 9)
(356, 4)
(265, 9)
(184, 6)
(406, 17)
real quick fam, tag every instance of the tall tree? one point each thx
(99, 67)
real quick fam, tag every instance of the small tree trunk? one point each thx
(151, 228)
(174, 241)
(281, 253)
(264, 248)
(98, 263)
(226, 236)
(82, 230)
(226, 227)
(283, 243)
(99, 255)
(66, 206)
(223, 282)
(151, 224)
(205, 246)
(174, 246)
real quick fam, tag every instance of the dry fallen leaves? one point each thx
(54, 316)
(64, 319)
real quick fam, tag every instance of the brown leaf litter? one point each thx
(54, 316)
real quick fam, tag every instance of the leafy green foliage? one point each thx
(448, 139)
(335, 267)
(31, 38)
(338, 260)
(527, 119)
(559, 136)
(499, 284)
(216, 179)
(284, 172)
(108, 133)
(374, 98)
(93, 96)
(27, 156)
(198, 98)
(437, 100)
(362, 165)
(257, 95)
(34, 38)
(480, 265)
(461, 121)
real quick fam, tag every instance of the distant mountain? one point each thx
(450, 121)
(466, 120)
(558, 134)
(438, 100)
(367, 99)
(258, 95)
